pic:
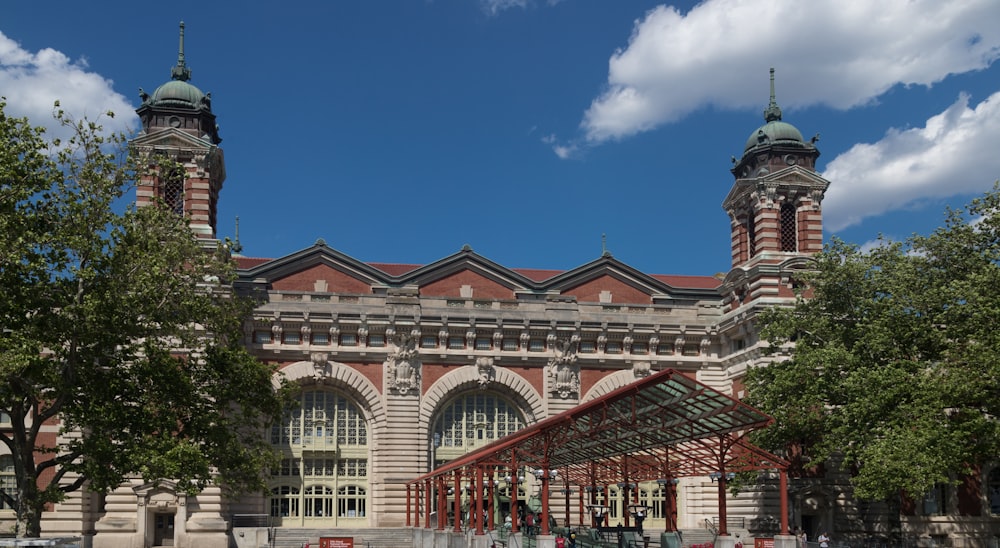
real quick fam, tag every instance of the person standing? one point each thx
(824, 540)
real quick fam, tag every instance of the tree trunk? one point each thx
(29, 509)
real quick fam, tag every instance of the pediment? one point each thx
(303, 269)
(171, 137)
(795, 178)
(466, 268)
(630, 284)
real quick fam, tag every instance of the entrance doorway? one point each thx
(163, 529)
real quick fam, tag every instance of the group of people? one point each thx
(823, 539)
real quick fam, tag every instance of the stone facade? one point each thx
(402, 367)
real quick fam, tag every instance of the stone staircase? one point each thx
(691, 537)
(363, 538)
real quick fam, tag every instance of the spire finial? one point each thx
(181, 72)
(236, 247)
(772, 113)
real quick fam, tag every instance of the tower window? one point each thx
(789, 239)
(751, 236)
(172, 192)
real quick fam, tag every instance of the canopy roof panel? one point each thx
(665, 425)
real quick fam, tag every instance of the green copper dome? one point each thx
(774, 132)
(178, 93)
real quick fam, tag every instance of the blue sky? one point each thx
(401, 130)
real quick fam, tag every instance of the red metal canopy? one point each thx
(667, 425)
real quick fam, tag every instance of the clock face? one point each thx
(175, 121)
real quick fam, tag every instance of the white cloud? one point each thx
(842, 53)
(954, 153)
(494, 7)
(33, 82)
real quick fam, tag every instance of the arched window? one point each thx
(993, 490)
(8, 481)
(321, 420)
(470, 421)
(789, 230)
(657, 497)
(318, 501)
(172, 189)
(285, 502)
(614, 503)
(323, 438)
(351, 501)
(751, 235)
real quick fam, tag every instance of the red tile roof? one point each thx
(394, 269)
(690, 282)
(249, 262)
(533, 274)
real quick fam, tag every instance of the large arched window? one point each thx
(321, 419)
(323, 438)
(470, 421)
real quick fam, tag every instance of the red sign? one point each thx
(763, 543)
(336, 542)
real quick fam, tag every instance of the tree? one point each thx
(896, 360)
(119, 329)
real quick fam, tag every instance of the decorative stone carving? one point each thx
(679, 345)
(525, 337)
(443, 338)
(602, 342)
(306, 331)
(627, 344)
(470, 338)
(816, 195)
(276, 332)
(563, 371)
(334, 335)
(319, 361)
(484, 366)
(362, 336)
(402, 366)
(654, 345)
(641, 369)
(705, 343)
(498, 339)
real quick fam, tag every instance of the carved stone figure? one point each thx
(564, 373)
(402, 365)
(319, 361)
(484, 366)
(640, 369)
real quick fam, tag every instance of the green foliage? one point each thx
(896, 362)
(119, 326)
